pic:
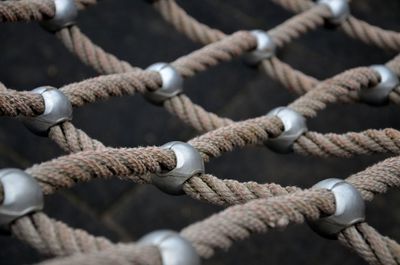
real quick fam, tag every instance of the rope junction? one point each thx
(251, 207)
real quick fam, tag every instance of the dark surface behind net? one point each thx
(133, 31)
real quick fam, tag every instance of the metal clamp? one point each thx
(379, 95)
(294, 126)
(174, 249)
(65, 15)
(339, 8)
(188, 163)
(350, 208)
(22, 195)
(57, 110)
(172, 83)
(265, 48)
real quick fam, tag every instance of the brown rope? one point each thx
(349, 144)
(14, 103)
(291, 78)
(370, 245)
(33, 10)
(333, 89)
(122, 255)
(55, 238)
(269, 213)
(266, 206)
(258, 216)
(354, 27)
(299, 25)
(26, 10)
(141, 161)
(196, 31)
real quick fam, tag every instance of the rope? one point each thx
(355, 28)
(33, 10)
(26, 10)
(236, 223)
(121, 255)
(252, 207)
(349, 144)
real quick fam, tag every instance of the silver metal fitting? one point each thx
(172, 83)
(265, 48)
(22, 195)
(174, 249)
(350, 208)
(66, 13)
(339, 8)
(57, 110)
(188, 163)
(379, 95)
(294, 126)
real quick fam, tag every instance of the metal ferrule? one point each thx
(22, 195)
(188, 164)
(265, 48)
(350, 208)
(66, 14)
(294, 126)
(379, 94)
(172, 83)
(58, 109)
(174, 249)
(340, 10)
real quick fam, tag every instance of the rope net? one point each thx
(251, 207)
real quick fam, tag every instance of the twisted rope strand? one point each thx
(122, 255)
(55, 238)
(349, 144)
(287, 31)
(352, 26)
(141, 161)
(26, 10)
(258, 216)
(33, 10)
(370, 245)
(291, 205)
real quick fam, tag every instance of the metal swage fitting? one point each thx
(174, 249)
(265, 48)
(294, 126)
(339, 8)
(188, 163)
(57, 110)
(172, 83)
(66, 13)
(22, 195)
(379, 94)
(350, 208)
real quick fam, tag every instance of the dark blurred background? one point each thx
(132, 30)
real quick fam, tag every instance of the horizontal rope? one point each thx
(122, 255)
(33, 10)
(236, 223)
